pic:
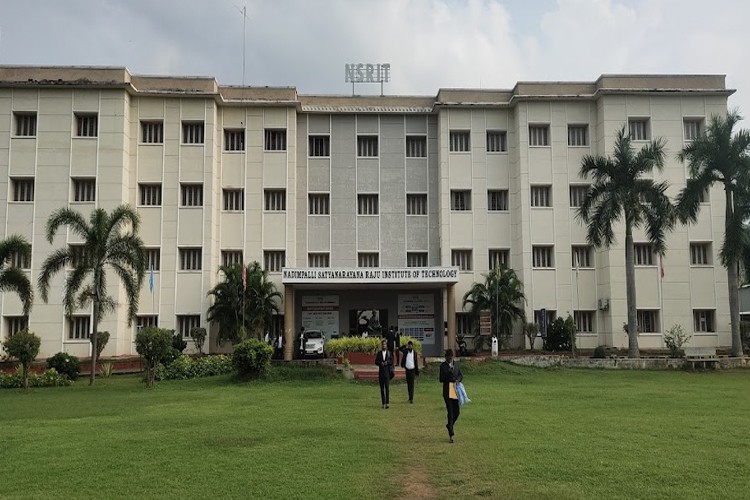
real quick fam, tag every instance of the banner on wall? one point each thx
(416, 316)
(321, 312)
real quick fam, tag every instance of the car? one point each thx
(315, 343)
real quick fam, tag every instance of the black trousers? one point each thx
(385, 389)
(410, 375)
(453, 410)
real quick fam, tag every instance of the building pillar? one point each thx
(288, 322)
(451, 317)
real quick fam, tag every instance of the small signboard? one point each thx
(485, 322)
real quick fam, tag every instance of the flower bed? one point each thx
(361, 351)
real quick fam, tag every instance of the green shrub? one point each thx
(599, 352)
(252, 358)
(370, 345)
(560, 335)
(49, 378)
(199, 338)
(186, 367)
(102, 339)
(106, 368)
(24, 346)
(155, 345)
(65, 364)
(675, 338)
(745, 333)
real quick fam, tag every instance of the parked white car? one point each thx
(315, 343)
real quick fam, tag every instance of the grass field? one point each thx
(527, 434)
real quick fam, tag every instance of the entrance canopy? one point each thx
(424, 277)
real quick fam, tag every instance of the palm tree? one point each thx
(501, 294)
(110, 242)
(721, 156)
(621, 193)
(262, 299)
(12, 279)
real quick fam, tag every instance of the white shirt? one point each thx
(385, 353)
(409, 363)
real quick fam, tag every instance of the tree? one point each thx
(12, 279)
(24, 346)
(226, 310)
(621, 193)
(155, 345)
(110, 242)
(262, 300)
(501, 294)
(721, 156)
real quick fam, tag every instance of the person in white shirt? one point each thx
(410, 363)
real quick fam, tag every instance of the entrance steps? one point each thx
(370, 373)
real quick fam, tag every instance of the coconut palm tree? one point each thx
(620, 192)
(501, 293)
(721, 156)
(262, 300)
(110, 242)
(12, 279)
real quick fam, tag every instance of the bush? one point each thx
(199, 338)
(599, 352)
(370, 345)
(24, 346)
(178, 346)
(675, 338)
(49, 378)
(102, 338)
(155, 345)
(252, 358)
(65, 364)
(560, 335)
(186, 367)
(745, 333)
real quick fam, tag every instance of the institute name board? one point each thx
(367, 73)
(371, 275)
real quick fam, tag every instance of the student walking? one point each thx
(410, 363)
(450, 373)
(384, 360)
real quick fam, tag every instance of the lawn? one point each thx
(528, 433)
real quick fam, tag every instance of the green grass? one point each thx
(304, 434)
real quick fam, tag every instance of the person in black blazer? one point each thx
(384, 360)
(410, 363)
(450, 372)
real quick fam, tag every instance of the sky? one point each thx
(430, 44)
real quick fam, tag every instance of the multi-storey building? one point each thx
(364, 209)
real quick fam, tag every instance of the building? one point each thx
(364, 209)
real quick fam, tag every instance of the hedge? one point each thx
(370, 345)
(186, 367)
(49, 378)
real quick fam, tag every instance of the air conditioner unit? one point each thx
(603, 304)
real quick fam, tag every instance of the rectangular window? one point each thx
(464, 323)
(703, 320)
(192, 195)
(578, 194)
(275, 139)
(274, 260)
(416, 204)
(639, 129)
(460, 200)
(700, 254)
(584, 321)
(150, 195)
(231, 257)
(186, 323)
(367, 204)
(318, 203)
(368, 259)
(460, 141)
(644, 254)
(541, 196)
(21, 260)
(542, 256)
(693, 128)
(79, 327)
(320, 145)
(146, 321)
(234, 200)
(538, 135)
(497, 141)
(416, 146)
(498, 257)
(77, 255)
(416, 259)
(275, 200)
(84, 190)
(25, 124)
(578, 135)
(234, 139)
(153, 259)
(319, 259)
(548, 318)
(15, 324)
(582, 256)
(497, 200)
(461, 259)
(192, 132)
(648, 321)
(86, 125)
(191, 259)
(152, 132)
(705, 196)
(23, 189)
(367, 145)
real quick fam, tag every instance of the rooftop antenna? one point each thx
(243, 11)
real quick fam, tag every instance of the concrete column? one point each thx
(288, 322)
(451, 317)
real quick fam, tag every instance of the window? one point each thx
(77, 255)
(320, 145)
(153, 259)
(79, 327)
(416, 259)
(497, 200)
(703, 320)
(150, 194)
(367, 145)
(152, 132)
(234, 200)
(234, 139)
(639, 129)
(21, 260)
(277, 325)
(542, 256)
(700, 254)
(25, 124)
(367, 204)
(582, 256)
(416, 146)
(546, 318)
(186, 322)
(578, 135)
(584, 321)
(275, 139)
(498, 257)
(461, 259)
(274, 260)
(460, 141)
(416, 204)
(146, 321)
(192, 132)
(23, 189)
(464, 323)
(497, 141)
(368, 259)
(693, 128)
(578, 195)
(460, 200)
(191, 259)
(648, 321)
(231, 257)
(15, 324)
(320, 259)
(192, 195)
(275, 200)
(705, 196)
(538, 135)
(644, 254)
(86, 125)
(318, 203)
(84, 189)
(541, 196)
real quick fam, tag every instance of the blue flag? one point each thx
(151, 279)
